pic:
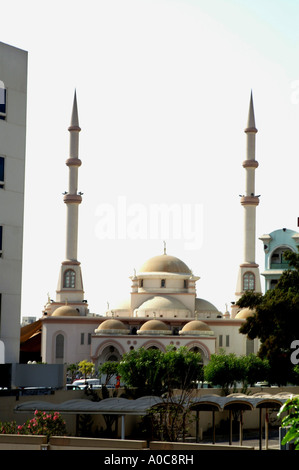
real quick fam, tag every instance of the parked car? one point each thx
(72, 387)
(87, 383)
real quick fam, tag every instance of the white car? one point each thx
(91, 383)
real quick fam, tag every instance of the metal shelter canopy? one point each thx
(238, 402)
(111, 406)
(141, 406)
(118, 406)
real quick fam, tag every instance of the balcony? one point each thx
(279, 266)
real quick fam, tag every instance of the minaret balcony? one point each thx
(72, 199)
(250, 164)
(250, 201)
(72, 161)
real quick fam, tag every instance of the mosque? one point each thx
(162, 307)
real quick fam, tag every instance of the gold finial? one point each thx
(164, 242)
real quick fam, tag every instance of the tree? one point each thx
(224, 370)
(142, 369)
(72, 368)
(109, 369)
(86, 368)
(254, 369)
(170, 375)
(227, 370)
(182, 369)
(155, 372)
(276, 322)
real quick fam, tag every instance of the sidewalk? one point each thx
(250, 440)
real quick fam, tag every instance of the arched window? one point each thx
(59, 348)
(277, 259)
(248, 281)
(69, 279)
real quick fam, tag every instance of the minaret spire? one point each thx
(251, 118)
(70, 286)
(74, 118)
(72, 199)
(249, 277)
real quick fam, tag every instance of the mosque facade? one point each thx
(162, 308)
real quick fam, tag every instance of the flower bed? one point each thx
(43, 423)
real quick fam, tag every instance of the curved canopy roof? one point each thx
(140, 406)
(239, 401)
(108, 406)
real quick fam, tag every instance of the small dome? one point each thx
(196, 327)
(245, 313)
(66, 311)
(123, 305)
(165, 302)
(163, 306)
(202, 305)
(112, 325)
(165, 263)
(154, 327)
(122, 308)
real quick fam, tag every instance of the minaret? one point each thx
(70, 286)
(249, 276)
(72, 199)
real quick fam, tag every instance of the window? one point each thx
(248, 281)
(1, 238)
(82, 338)
(220, 340)
(69, 279)
(2, 160)
(89, 338)
(185, 284)
(163, 282)
(2, 102)
(249, 346)
(59, 346)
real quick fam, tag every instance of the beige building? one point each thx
(162, 312)
(162, 307)
(13, 103)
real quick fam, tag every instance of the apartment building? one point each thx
(13, 103)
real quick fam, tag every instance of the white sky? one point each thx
(163, 92)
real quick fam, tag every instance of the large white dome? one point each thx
(165, 263)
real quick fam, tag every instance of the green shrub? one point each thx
(43, 423)
(291, 421)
